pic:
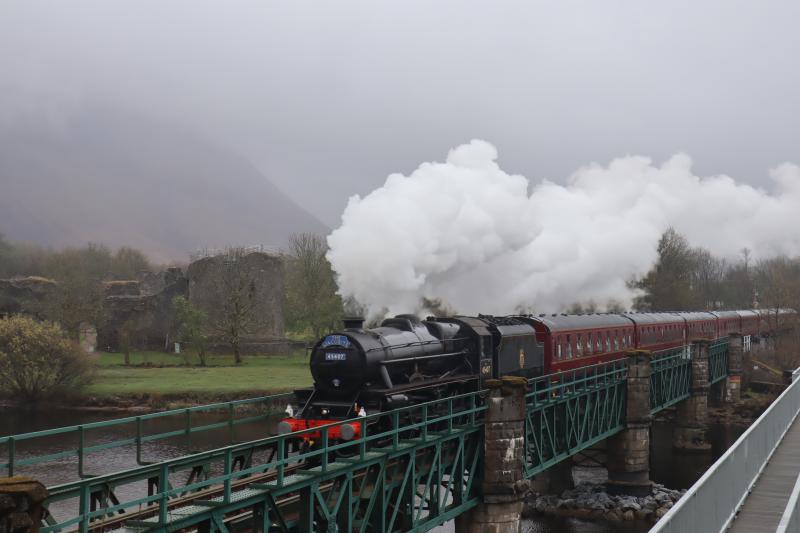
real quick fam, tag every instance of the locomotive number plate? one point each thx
(335, 356)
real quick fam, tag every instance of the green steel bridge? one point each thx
(410, 469)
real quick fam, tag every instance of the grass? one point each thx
(168, 375)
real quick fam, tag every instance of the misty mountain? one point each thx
(105, 176)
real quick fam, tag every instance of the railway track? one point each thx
(118, 521)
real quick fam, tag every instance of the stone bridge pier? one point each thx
(504, 485)
(629, 450)
(21, 509)
(691, 419)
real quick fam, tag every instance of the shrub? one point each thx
(38, 361)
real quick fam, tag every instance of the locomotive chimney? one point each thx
(353, 322)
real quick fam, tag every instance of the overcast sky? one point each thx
(327, 98)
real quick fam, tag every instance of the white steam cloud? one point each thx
(469, 233)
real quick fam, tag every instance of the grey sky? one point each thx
(327, 98)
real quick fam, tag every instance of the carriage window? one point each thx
(558, 350)
(569, 346)
(579, 346)
(608, 343)
(616, 340)
(589, 343)
(599, 342)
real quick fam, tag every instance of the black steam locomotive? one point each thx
(406, 361)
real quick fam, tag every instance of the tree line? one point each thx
(687, 278)
(77, 295)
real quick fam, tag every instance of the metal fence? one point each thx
(670, 377)
(80, 441)
(428, 445)
(718, 361)
(569, 411)
(711, 503)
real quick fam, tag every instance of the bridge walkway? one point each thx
(764, 506)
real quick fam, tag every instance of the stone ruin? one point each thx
(265, 273)
(24, 295)
(143, 306)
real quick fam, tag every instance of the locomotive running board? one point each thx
(423, 385)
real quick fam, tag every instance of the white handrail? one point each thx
(712, 502)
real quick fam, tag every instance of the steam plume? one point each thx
(471, 234)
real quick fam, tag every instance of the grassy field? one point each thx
(168, 374)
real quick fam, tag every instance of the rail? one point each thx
(388, 431)
(74, 441)
(712, 502)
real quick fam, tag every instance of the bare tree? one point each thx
(312, 304)
(708, 273)
(230, 300)
(72, 301)
(127, 332)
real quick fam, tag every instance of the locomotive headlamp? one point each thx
(336, 382)
(325, 411)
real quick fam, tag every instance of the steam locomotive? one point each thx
(407, 360)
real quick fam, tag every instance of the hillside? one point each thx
(105, 176)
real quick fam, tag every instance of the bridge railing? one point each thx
(712, 502)
(670, 377)
(569, 411)
(718, 361)
(272, 464)
(80, 441)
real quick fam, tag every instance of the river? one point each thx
(673, 469)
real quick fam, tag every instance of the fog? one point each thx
(326, 99)
(467, 232)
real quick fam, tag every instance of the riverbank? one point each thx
(155, 380)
